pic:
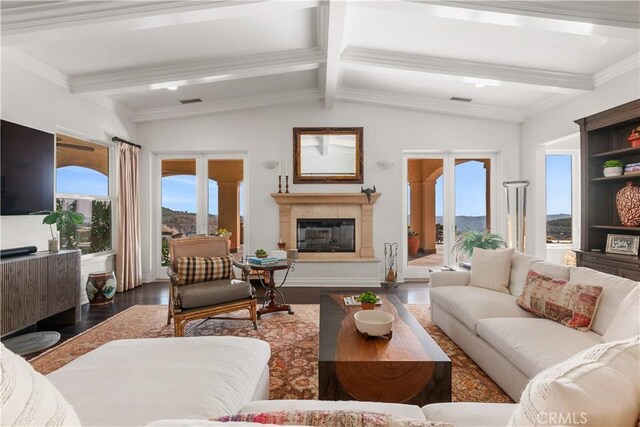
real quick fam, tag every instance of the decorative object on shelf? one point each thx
(368, 192)
(281, 244)
(632, 168)
(292, 253)
(391, 263)
(328, 155)
(374, 323)
(413, 241)
(261, 253)
(270, 164)
(469, 240)
(368, 300)
(101, 287)
(612, 168)
(628, 205)
(622, 244)
(62, 218)
(634, 137)
(516, 198)
(385, 164)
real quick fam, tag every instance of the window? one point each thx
(562, 214)
(83, 185)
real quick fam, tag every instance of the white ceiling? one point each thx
(512, 58)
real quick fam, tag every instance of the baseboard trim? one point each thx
(346, 282)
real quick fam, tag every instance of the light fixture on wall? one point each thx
(270, 164)
(385, 164)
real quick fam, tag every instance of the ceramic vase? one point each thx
(616, 171)
(101, 287)
(628, 204)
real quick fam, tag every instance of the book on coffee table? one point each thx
(353, 301)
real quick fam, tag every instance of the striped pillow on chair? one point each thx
(194, 269)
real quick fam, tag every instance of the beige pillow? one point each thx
(596, 387)
(29, 398)
(490, 269)
(626, 322)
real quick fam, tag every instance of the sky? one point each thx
(558, 184)
(179, 194)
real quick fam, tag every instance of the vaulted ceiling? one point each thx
(510, 58)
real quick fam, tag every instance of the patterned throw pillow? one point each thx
(195, 269)
(328, 418)
(571, 304)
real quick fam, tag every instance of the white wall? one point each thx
(266, 134)
(33, 101)
(557, 122)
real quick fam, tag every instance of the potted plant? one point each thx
(261, 253)
(61, 218)
(468, 241)
(223, 232)
(413, 241)
(367, 300)
(612, 168)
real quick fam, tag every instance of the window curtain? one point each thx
(128, 266)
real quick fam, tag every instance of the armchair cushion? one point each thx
(213, 292)
(195, 269)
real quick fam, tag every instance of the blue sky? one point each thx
(179, 194)
(558, 184)
(80, 180)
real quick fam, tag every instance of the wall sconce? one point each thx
(385, 164)
(270, 164)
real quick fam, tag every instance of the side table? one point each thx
(270, 304)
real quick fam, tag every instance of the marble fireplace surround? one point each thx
(329, 205)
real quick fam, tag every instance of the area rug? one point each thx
(294, 348)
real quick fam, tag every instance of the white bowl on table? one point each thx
(374, 323)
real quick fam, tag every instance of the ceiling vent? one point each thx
(190, 101)
(457, 98)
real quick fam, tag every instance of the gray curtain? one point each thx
(128, 266)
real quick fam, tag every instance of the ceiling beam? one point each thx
(336, 21)
(468, 71)
(75, 19)
(529, 15)
(190, 73)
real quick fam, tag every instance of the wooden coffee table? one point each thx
(408, 368)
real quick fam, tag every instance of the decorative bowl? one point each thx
(374, 323)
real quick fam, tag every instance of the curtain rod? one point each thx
(116, 139)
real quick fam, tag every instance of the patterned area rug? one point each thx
(294, 348)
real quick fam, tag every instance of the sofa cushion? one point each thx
(614, 289)
(533, 345)
(626, 322)
(28, 397)
(195, 269)
(328, 418)
(395, 409)
(597, 387)
(467, 414)
(491, 269)
(469, 304)
(162, 378)
(572, 304)
(520, 266)
(553, 270)
(214, 292)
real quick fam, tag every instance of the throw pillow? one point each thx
(626, 322)
(195, 269)
(490, 269)
(571, 304)
(328, 418)
(596, 387)
(29, 398)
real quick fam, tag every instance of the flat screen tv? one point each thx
(26, 169)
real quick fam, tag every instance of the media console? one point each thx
(38, 286)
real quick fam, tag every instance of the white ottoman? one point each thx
(135, 382)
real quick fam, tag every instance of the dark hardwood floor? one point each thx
(157, 293)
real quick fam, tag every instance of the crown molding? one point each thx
(506, 75)
(227, 104)
(111, 104)
(548, 103)
(419, 103)
(198, 72)
(30, 63)
(618, 69)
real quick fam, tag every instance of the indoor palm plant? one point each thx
(468, 241)
(61, 218)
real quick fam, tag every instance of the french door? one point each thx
(445, 195)
(197, 194)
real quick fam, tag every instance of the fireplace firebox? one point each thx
(326, 234)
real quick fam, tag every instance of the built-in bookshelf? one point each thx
(603, 136)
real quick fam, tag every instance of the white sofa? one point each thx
(510, 344)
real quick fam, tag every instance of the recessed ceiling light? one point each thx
(480, 85)
(172, 87)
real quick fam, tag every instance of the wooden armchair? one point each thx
(203, 300)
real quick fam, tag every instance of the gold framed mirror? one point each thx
(328, 155)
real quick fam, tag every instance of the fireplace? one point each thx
(326, 234)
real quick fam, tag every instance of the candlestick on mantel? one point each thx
(279, 183)
(286, 186)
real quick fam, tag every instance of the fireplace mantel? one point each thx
(329, 205)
